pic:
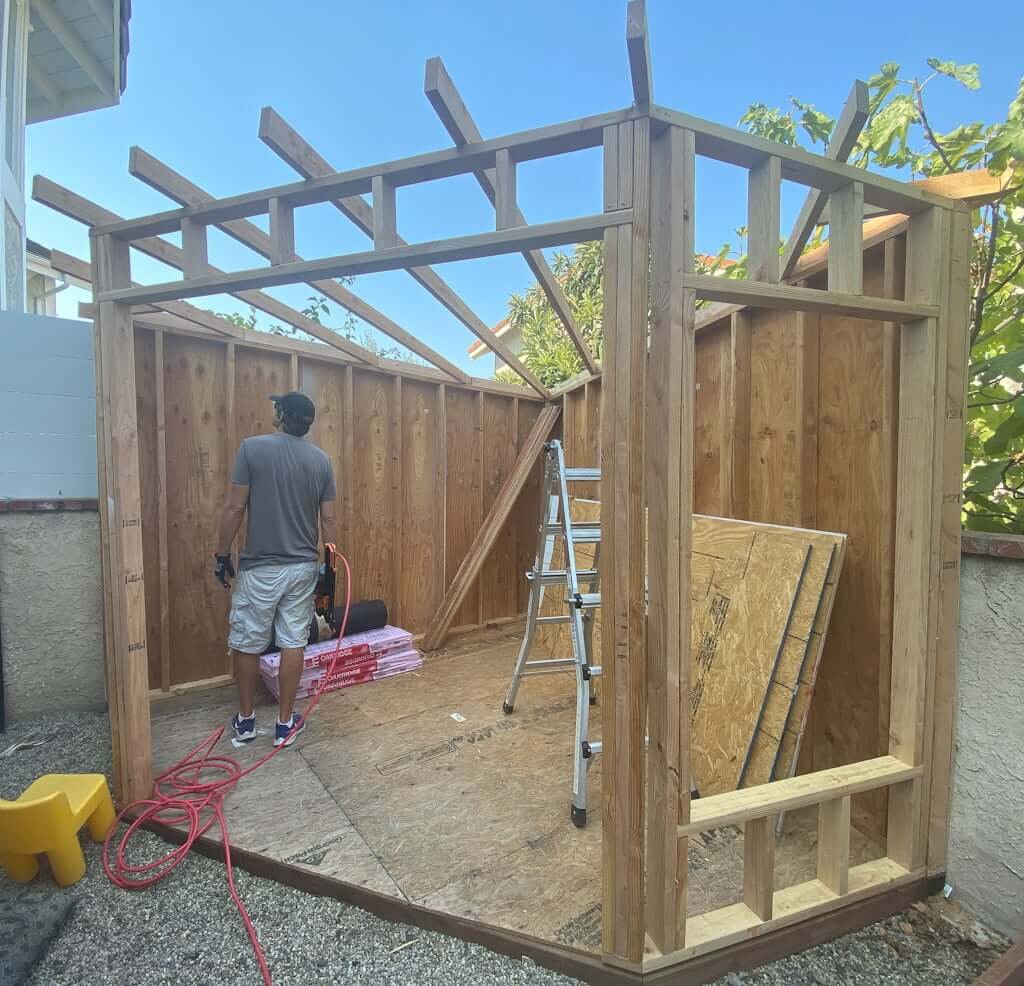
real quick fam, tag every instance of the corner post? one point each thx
(669, 483)
(915, 604)
(121, 523)
(623, 661)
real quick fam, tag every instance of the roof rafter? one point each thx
(78, 207)
(457, 120)
(292, 148)
(844, 139)
(638, 48)
(163, 178)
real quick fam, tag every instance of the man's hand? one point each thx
(223, 570)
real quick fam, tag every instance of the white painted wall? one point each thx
(47, 408)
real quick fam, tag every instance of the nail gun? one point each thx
(324, 624)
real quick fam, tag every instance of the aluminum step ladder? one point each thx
(556, 522)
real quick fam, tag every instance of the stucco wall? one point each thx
(986, 853)
(51, 612)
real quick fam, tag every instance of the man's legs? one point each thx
(247, 674)
(253, 604)
(291, 629)
(288, 681)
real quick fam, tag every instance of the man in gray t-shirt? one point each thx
(285, 485)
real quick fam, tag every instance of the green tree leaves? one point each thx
(966, 75)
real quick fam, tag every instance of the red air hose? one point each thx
(181, 795)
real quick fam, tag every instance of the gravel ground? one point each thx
(185, 930)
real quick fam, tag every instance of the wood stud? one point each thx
(843, 140)
(623, 568)
(669, 486)
(759, 866)
(506, 210)
(764, 190)
(282, 232)
(194, 248)
(121, 520)
(846, 249)
(834, 844)
(385, 215)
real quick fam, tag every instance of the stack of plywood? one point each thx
(762, 596)
(361, 657)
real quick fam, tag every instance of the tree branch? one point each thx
(986, 277)
(929, 133)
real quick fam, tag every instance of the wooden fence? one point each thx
(417, 464)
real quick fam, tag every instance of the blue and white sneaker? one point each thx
(245, 729)
(293, 727)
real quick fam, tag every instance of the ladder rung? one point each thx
(583, 475)
(587, 600)
(595, 672)
(553, 619)
(560, 662)
(581, 533)
(557, 575)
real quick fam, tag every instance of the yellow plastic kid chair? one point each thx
(46, 818)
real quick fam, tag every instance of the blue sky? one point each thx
(349, 77)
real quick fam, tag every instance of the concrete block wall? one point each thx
(986, 852)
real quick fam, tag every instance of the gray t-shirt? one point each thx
(288, 479)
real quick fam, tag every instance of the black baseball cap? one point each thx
(295, 405)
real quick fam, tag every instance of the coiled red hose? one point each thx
(198, 783)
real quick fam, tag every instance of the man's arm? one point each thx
(328, 522)
(231, 517)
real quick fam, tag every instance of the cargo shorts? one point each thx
(274, 599)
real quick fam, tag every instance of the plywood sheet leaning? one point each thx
(769, 674)
(762, 598)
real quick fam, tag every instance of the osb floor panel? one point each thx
(466, 815)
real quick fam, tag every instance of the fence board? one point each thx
(198, 460)
(462, 492)
(373, 506)
(500, 447)
(423, 542)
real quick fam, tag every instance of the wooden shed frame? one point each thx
(650, 293)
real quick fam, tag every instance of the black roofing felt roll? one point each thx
(371, 614)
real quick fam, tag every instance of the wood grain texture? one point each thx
(626, 249)
(759, 865)
(834, 844)
(148, 415)
(669, 482)
(953, 404)
(462, 492)
(775, 420)
(915, 614)
(421, 499)
(855, 440)
(499, 578)
(845, 245)
(374, 528)
(764, 189)
(198, 462)
(128, 698)
(712, 446)
(527, 509)
(490, 529)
